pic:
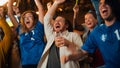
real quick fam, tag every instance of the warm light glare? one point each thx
(14, 3)
(37, 12)
(60, 9)
(2, 2)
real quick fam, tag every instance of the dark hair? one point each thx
(93, 13)
(67, 22)
(115, 6)
(1, 34)
(79, 27)
(70, 28)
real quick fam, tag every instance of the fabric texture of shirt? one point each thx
(32, 44)
(107, 39)
(53, 62)
(50, 35)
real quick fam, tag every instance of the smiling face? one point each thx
(105, 10)
(29, 20)
(59, 24)
(90, 21)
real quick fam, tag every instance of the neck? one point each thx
(109, 23)
(18, 14)
(90, 30)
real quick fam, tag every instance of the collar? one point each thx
(64, 33)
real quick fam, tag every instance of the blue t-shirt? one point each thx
(32, 44)
(107, 39)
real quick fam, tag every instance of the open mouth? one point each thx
(27, 22)
(104, 11)
(57, 26)
(88, 23)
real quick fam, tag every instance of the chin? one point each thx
(28, 28)
(57, 31)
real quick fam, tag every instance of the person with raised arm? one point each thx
(105, 37)
(58, 35)
(31, 33)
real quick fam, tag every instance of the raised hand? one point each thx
(40, 10)
(59, 1)
(64, 59)
(59, 41)
(76, 8)
(49, 4)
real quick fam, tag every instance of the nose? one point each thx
(87, 20)
(26, 18)
(56, 21)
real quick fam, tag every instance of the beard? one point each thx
(109, 18)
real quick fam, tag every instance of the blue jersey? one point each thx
(32, 44)
(107, 39)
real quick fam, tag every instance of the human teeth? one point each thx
(103, 10)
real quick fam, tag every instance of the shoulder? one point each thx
(39, 24)
(98, 28)
(74, 34)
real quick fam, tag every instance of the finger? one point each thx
(62, 59)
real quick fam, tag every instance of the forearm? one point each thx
(48, 18)
(75, 18)
(52, 10)
(40, 10)
(77, 55)
(76, 51)
(10, 13)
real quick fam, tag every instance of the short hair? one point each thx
(114, 4)
(67, 22)
(70, 29)
(79, 27)
(93, 13)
